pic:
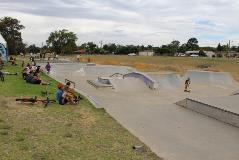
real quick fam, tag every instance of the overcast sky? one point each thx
(145, 22)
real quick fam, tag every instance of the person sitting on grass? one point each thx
(2, 76)
(23, 64)
(14, 62)
(33, 69)
(1, 63)
(11, 59)
(60, 96)
(70, 94)
(26, 71)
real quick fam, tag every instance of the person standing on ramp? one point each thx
(187, 85)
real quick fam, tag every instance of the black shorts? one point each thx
(63, 102)
(34, 81)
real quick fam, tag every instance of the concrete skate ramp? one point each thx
(143, 77)
(207, 77)
(224, 109)
(235, 93)
(167, 81)
(129, 84)
(103, 70)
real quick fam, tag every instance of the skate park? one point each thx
(154, 107)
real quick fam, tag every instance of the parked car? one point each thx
(194, 55)
(132, 54)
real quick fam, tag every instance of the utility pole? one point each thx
(101, 44)
(229, 48)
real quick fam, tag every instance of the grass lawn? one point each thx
(173, 64)
(59, 132)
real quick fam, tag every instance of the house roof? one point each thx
(147, 51)
(192, 52)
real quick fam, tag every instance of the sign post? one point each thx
(3, 52)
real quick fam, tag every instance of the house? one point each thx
(80, 51)
(210, 54)
(146, 53)
(189, 53)
(234, 54)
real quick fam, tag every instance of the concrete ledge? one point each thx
(211, 111)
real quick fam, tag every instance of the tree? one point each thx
(10, 31)
(174, 46)
(91, 48)
(192, 44)
(183, 48)
(21, 47)
(110, 48)
(33, 49)
(126, 49)
(164, 50)
(219, 48)
(202, 53)
(62, 41)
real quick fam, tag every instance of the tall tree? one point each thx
(192, 44)
(183, 48)
(10, 31)
(33, 49)
(219, 47)
(110, 48)
(62, 41)
(91, 48)
(174, 46)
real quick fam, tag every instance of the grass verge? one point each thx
(59, 132)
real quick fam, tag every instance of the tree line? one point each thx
(64, 42)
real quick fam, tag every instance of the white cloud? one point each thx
(154, 22)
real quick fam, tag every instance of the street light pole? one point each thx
(229, 48)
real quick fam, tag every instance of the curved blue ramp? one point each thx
(146, 79)
(3, 52)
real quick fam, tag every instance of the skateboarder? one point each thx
(187, 83)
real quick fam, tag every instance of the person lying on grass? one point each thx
(35, 79)
(3, 73)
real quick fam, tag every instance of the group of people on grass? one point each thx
(64, 94)
(13, 61)
(31, 74)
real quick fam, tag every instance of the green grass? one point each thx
(59, 132)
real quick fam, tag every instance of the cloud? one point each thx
(154, 22)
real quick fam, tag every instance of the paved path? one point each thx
(171, 131)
